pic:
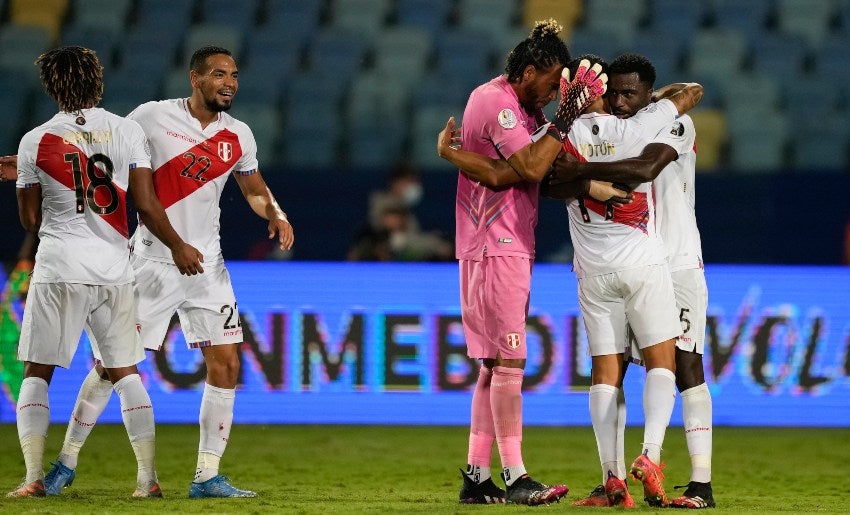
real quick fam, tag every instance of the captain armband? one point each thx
(246, 172)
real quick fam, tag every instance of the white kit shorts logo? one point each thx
(507, 119)
(512, 339)
(225, 151)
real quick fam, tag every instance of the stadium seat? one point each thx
(373, 143)
(465, 52)
(781, 55)
(241, 15)
(606, 45)
(337, 52)
(90, 37)
(13, 109)
(48, 14)
(567, 12)
(666, 58)
(106, 15)
(431, 15)
(374, 97)
(151, 51)
(203, 34)
(615, 17)
(123, 87)
(751, 91)
(265, 124)
(491, 17)
(292, 19)
(757, 140)
(312, 135)
(711, 137)
(316, 87)
(676, 18)
(364, 17)
(831, 62)
(440, 88)
(402, 53)
(176, 84)
(821, 138)
(810, 19)
(427, 123)
(20, 45)
(750, 17)
(164, 16)
(718, 52)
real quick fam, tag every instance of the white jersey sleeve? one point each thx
(676, 196)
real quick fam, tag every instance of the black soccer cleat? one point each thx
(485, 492)
(697, 496)
(533, 493)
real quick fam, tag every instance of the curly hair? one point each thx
(634, 63)
(541, 49)
(72, 76)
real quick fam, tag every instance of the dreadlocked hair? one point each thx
(634, 63)
(542, 49)
(72, 76)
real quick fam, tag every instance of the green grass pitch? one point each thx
(401, 469)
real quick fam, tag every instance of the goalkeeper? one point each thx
(495, 247)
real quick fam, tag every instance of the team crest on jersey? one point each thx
(512, 339)
(507, 119)
(225, 151)
(678, 129)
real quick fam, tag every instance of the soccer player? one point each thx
(73, 174)
(495, 249)
(670, 160)
(606, 270)
(195, 147)
(625, 278)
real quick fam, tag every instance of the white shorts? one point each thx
(692, 302)
(56, 313)
(642, 297)
(204, 302)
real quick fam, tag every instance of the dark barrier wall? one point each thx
(781, 218)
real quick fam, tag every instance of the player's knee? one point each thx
(689, 370)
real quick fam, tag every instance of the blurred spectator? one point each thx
(392, 232)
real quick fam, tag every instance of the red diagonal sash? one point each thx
(52, 150)
(191, 169)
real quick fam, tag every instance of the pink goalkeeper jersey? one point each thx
(606, 239)
(84, 172)
(498, 223)
(191, 166)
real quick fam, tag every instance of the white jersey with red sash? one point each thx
(83, 170)
(611, 239)
(191, 166)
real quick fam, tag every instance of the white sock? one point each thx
(33, 419)
(603, 415)
(696, 411)
(137, 413)
(478, 473)
(513, 473)
(92, 399)
(216, 419)
(659, 395)
(621, 435)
